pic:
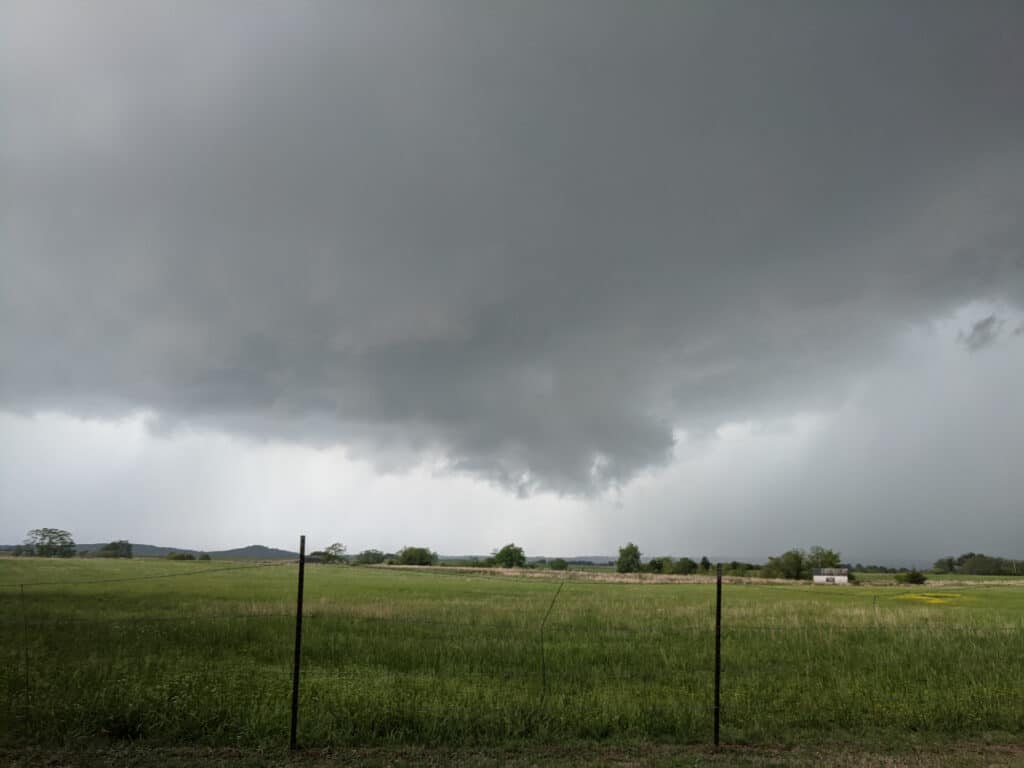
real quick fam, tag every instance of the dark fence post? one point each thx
(718, 649)
(298, 645)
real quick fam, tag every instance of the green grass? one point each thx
(888, 578)
(445, 659)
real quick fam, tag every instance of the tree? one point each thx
(370, 557)
(685, 566)
(415, 556)
(558, 564)
(120, 548)
(705, 564)
(659, 565)
(964, 557)
(945, 565)
(986, 565)
(788, 565)
(510, 556)
(334, 553)
(819, 557)
(50, 542)
(739, 568)
(204, 556)
(629, 559)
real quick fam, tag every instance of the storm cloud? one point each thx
(539, 240)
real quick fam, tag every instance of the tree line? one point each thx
(337, 553)
(977, 564)
(56, 542)
(794, 564)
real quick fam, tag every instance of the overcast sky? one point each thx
(715, 277)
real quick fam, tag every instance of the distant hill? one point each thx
(254, 552)
(138, 550)
(260, 552)
(251, 552)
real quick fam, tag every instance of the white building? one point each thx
(831, 576)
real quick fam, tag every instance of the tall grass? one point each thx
(453, 659)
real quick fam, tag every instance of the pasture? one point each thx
(200, 654)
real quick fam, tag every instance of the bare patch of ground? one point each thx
(666, 578)
(960, 754)
(597, 576)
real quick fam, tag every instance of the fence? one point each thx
(482, 661)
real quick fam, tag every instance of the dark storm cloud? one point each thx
(983, 333)
(537, 237)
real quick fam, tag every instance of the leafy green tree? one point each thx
(180, 556)
(945, 565)
(739, 568)
(50, 542)
(335, 553)
(558, 564)
(370, 557)
(705, 564)
(685, 566)
(510, 556)
(659, 565)
(986, 565)
(964, 558)
(415, 556)
(204, 556)
(120, 548)
(629, 559)
(788, 565)
(819, 557)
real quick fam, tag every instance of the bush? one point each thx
(180, 556)
(913, 576)
(558, 564)
(416, 556)
(204, 556)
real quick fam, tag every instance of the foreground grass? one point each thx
(450, 660)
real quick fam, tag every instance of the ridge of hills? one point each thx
(251, 552)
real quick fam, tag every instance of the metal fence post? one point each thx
(718, 650)
(298, 645)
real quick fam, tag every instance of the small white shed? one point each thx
(831, 576)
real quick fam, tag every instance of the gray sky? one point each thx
(719, 277)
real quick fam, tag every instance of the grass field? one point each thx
(451, 660)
